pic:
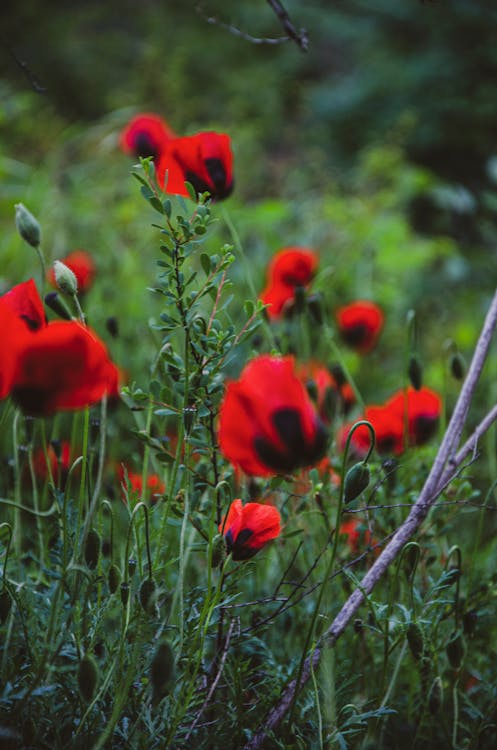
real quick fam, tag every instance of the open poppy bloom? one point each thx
(64, 366)
(205, 160)
(423, 407)
(247, 528)
(60, 461)
(25, 301)
(326, 391)
(290, 268)
(267, 422)
(360, 325)
(146, 135)
(83, 267)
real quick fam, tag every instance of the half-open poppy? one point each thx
(290, 268)
(145, 135)
(248, 528)
(360, 325)
(423, 408)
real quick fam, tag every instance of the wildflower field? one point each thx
(248, 376)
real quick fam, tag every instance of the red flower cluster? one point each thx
(49, 367)
(267, 422)
(132, 483)
(290, 268)
(60, 462)
(205, 159)
(360, 325)
(247, 528)
(83, 267)
(418, 410)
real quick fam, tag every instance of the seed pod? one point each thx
(456, 649)
(218, 550)
(415, 372)
(92, 548)
(5, 604)
(114, 578)
(415, 639)
(87, 677)
(356, 480)
(161, 671)
(148, 595)
(458, 366)
(435, 696)
(27, 226)
(124, 593)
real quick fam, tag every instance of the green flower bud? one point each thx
(218, 550)
(65, 278)
(456, 649)
(356, 480)
(435, 696)
(27, 226)
(114, 578)
(161, 671)
(124, 593)
(415, 372)
(415, 639)
(92, 548)
(148, 595)
(131, 567)
(469, 621)
(87, 677)
(458, 366)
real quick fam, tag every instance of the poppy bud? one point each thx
(358, 625)
(415, 639)
(131, 567)
(124, 593)
(65, 278)
(27, 226)
(435, 696)
(218, 550)
(189, 418)
(112, 326)
(456, 649)
(87, 677)
(315, 307)
(5, 604)
(458, 366)
(161, 671)
(469, 621)
(114, 578)
(410, 559)
(148, 596)
(356, 480)
(55, 303)
(415, 372)
(92, 548)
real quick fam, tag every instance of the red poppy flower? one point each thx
(360, 325)
(146, 135)
(62, 366)
(290, 268)
(325, 389)
(83, 267)
(247, 528)
(388, 427)
(11, 342)
(423, 412)
(267, 422)
(358, 537)
(62, 463)
(133, 483)
(25, 301)
(205, 160)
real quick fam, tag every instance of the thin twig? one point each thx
(444, 466)
(300, 37)
(22, 64)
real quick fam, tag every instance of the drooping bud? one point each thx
(65, 278)
(87, 677)
(148, 595)
(161, 671)
(114, 578)
(415, 372)
(55, 303)
(456, 649)
(356, 480)
(435, 696)
(415, 639)
(27, 226)
(92, 548)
